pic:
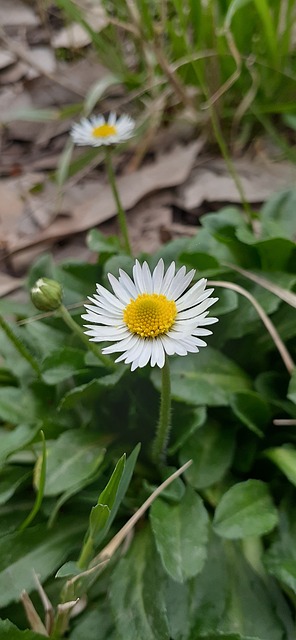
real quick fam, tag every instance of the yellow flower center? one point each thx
(150, 315)
(104, 131)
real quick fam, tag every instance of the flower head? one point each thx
(150, 316)
(98, 131)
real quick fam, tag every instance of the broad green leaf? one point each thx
(181, 534)
(251, 410)
(246, 509)
(17, 404)
(9, 631)
(278, 215)
(74, 456)
(62, 364)
(280, 559)
(205, 378)
(285, 459)
(211, 449)
(86, 628)
(12, 441)
(90, 390)
(228, 597)
(185, 424)
(136, 586)
(100, 243)
(35, 548)
(10, 479)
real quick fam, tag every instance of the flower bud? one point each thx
(46, 294)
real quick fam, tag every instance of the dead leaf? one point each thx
(15, 13)
(75, 36)
(169, 170)
(211, 182)
(9, 284)
(6, 58)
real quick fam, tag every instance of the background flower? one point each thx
(99, 131)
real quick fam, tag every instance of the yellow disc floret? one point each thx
(150, 315)
(104, 131)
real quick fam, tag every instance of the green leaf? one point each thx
(90, 390)
(285, 459)
(92, 620)
(62, 364)
(280, 559)
(278, 215)
(12, 441)
(226, 591)
(15, 404)
(246, 509)
(211, 449)
(97, 241)
(35, 548)
(185, 425)
(9, 631)
(181, 534)
(292, 387)
(74, 456)
(207, 377)
(251, 410)
(41, 484)
(10, 479)
(136, 586)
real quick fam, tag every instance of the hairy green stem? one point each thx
(105, 360)
(164, 424)
(19, 346)
(120, 211)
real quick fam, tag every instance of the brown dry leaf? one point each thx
(8, 284)
(16, 13)
(6, 58)
(13, 192)
(168, 171)
(147, 220)
(75, 36)
(211, 182)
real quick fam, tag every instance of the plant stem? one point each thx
(120, 211)
(164, 423)
(105, 360)
(19, 346)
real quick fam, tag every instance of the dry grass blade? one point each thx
(284, 422)
(113, 545)
(286, 296)
(283, 351)
(34, 620)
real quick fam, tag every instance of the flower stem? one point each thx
(164, 423)
(19, 345)
(120, 211)
(105, 360)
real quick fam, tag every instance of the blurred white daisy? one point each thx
(150, 316)
(98, 131)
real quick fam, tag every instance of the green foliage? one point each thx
(218, 543)
(235, 56)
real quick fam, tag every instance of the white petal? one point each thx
(127, 282)
(138, 278)
(154, 351)
(180, 283)
(119, 290)
(168, 278)
(191, 296)
(145, 355)
(147, 278)
(122, 345)
(157, 276)
(98, 319)
(110, 297)
(160, 355)
(196, 311)
(204, 321)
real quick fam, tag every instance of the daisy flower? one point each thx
(150, 316)
(98, 131)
